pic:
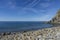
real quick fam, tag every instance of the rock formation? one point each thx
(56, 18)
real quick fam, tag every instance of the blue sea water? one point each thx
(10, 26)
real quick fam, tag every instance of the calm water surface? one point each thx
(6, 26)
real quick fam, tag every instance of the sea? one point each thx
(12, 26)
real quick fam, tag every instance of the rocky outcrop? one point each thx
(56, 18)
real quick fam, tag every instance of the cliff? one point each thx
(56, 18)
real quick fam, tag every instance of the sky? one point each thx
(28, 10)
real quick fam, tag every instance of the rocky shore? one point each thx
(42, 34)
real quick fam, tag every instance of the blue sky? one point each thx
(28, 10)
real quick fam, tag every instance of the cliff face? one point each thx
(56, 18)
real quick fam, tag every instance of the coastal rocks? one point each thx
(42, 34)
(57, 36)
(56, 18)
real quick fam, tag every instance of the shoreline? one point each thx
(41, 34)
(30, 30)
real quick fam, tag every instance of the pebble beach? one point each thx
(41, 34)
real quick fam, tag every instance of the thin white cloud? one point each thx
(48, 0)
(44, 5)
(41, 18)
(36, 3)
(45, 17)
(11, 4)
(26, 11)
(8, 4)
(30, 4)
